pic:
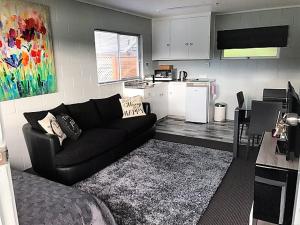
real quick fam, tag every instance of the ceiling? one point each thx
(160, 8)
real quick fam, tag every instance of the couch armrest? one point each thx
(147, 108)
(42, 149)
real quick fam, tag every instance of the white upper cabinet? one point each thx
(181, 38)
(179, 42)
(161, 39)
(199, 37)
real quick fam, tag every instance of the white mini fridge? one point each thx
(199, 102)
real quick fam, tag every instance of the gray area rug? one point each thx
(161, 182)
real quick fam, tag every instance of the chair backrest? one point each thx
(276, 95)
(240, 99)
(263, 116)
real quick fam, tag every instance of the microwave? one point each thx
(163, 75)
(166, 74)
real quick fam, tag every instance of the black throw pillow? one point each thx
(109, 108)
(34, 117)
(69, 126)
(85, 114)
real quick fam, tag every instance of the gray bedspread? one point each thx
(40, 201)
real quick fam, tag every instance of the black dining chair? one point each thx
(264, 116)
(244, 118)
(240, 99)
(276, 95)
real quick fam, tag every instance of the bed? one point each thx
(40, 201)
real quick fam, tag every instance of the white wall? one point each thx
(73, 24)
(250, 76)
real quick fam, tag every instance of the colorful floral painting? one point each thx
(26, 51)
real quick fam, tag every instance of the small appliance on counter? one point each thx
(164, 73)
(182, 76)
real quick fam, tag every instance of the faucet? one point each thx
(153, 78)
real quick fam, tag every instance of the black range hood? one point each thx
(261, 37)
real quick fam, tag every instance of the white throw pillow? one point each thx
(132, 106)
(51, 126)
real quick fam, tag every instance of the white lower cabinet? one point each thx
(177, 99)
(157, 96)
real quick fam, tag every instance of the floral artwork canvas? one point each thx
(26, 52)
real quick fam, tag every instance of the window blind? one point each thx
(261, 37)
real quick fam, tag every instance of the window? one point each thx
(252, 53)
(117, 56)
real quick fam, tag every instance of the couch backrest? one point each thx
(85, 115)
(109, 108)
(91, 114)
(34, 117)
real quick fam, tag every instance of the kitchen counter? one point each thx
(143, 85)
(169, 98)
(200, 80)
(146, 85)
(139, 87)
(156, 94)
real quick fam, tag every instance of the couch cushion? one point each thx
(91, 143)
(69, 126)
(34, 117)
(109, 108)
(85, 115)
(51, 126)
(132, 106)
(135, 125)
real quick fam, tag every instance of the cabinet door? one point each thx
(130, 92)
(163, 100)
(148, 93)
(179, 39)
(199, 37)
(153, 100)
(155, 104)
(176, 99)
(159, 104)
(270, 193)
(160, 39)
(196, 104)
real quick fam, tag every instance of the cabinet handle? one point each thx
(186, 44)
(168, 45)
(191, 44)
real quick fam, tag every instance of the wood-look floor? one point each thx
(216, 131)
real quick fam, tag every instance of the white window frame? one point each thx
(139, 61)
(253, 57)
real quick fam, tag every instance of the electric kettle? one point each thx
(182, 75)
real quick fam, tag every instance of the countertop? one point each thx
(151, 84)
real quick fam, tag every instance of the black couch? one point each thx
(106, 137)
